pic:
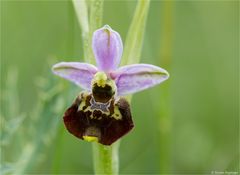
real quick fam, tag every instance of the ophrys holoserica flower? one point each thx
(101, 113)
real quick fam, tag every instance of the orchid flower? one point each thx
(101, 113)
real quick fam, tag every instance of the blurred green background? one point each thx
(189, 124)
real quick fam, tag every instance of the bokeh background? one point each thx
(187, 125)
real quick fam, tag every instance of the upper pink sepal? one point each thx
(107, 48)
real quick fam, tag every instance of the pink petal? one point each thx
(79, 73)
(107, 48)
(137, 77)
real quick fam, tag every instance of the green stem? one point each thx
(106, 158)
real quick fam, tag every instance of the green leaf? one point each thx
(81, 10)
(96, 13)
(82, 14)
(134, 40)
(88, 24)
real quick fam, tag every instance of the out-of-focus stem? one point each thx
(165, 112)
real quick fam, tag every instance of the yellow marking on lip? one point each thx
(117, 114)
(83, 97)
(90, 138)
(83, 103)
(92, 110)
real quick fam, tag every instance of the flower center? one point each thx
(100, 78)
(103, 88)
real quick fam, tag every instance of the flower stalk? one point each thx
(106, 159)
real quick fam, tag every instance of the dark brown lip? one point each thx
(97, 123)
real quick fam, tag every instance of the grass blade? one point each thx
(81, 10)
(135, 36)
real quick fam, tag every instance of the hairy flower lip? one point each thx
(107, 130)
